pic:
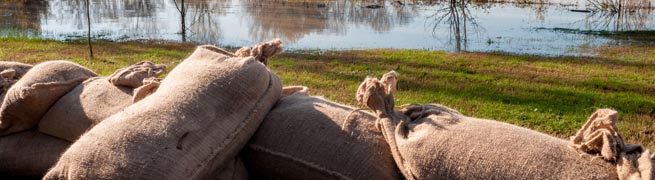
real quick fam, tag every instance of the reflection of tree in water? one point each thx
(618, 21)
(204, 25)
(540, 8)
(131, 16)
(380, 20)
(456, 16)
(22, 14)
(293, 20)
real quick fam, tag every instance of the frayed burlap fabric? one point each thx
(10, 72)
(133, 76)
(600, 136)
(199, 118)
(435, 142)
(94, 100)
(29, 154)
(261, 52)
(307, 137)
(31, 97)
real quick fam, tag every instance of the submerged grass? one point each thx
(554, 95)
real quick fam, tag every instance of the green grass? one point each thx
(554, 95)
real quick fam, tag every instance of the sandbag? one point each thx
(132, 76)
(201, 115)
(28, 154)
(31, 97)
(306, 137)
(262, 52)
(94, 100)
(600, 136)
(19, 68)
(432, 141)
(10, 72)
(234, 169)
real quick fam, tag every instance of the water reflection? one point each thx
(618, 21)
(293, 20)
(128, 17)
(456, 16)
(204, 26)
(457, 25)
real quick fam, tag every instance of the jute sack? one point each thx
(600, 136)
(201, 115)
(29, 154)
(133, 75)
(31, 97)
(10, 72)
(306, 137)
(435, 142)
(94, 100)
(19, 68)
(233, 169)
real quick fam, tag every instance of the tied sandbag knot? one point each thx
(378, 94)
(262, 52)
(134, 75)
(600, 136)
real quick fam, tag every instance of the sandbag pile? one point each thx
(96, 99)
(431, 141)
(224, 115)
(198, 119)
(78, 99)
(29, 98)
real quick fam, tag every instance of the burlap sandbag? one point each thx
(435, 142)
(29, 154)
(132, 76)
(94, 100)
(201, 115)
(10, 72)
(306, 137)
(600, 136)
(31, 97)
(233, 169)
(262, 52)
(20, 68)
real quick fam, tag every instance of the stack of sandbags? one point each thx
(94, 100)
(435, 142)
(307, 137)
(27, 154)
(30, 97)
(201, 115)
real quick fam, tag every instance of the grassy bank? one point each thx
(552, 95)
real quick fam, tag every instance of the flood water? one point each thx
(543, 28)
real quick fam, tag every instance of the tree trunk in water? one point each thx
(88, 21)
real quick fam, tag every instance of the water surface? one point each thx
(535, 28)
